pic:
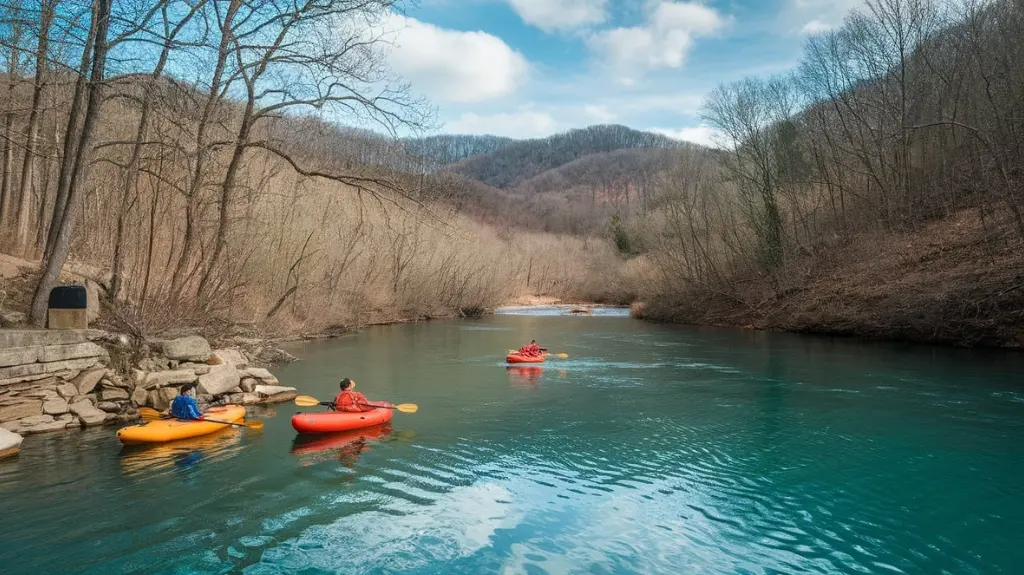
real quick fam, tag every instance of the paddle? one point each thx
(307, 401)
(546, 354)
(149, 414)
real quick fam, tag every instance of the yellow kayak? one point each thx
(163, 430)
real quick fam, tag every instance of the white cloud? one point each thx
(520, 124)
(703, 135)
(815, 27)
(663, 41)
(818, 15)
(454, 66)
(599, 113)
(556, 15)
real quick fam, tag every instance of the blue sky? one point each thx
(530, 68)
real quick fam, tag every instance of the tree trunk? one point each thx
(180, 271)
(72, 137)
(77, 166)
(32, 132)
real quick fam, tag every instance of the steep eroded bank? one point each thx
(955, 282)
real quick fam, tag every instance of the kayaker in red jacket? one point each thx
(353, 401)
(531, 350)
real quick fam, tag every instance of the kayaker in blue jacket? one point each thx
(184, 406)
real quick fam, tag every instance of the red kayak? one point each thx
(517, 358)
(329, 421)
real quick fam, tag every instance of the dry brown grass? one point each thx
(955, 281)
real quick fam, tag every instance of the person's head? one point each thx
(533, 342)
(347, 384)
(189, 389)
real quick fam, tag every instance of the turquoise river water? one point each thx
(652, 449)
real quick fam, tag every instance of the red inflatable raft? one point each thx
(516, 358)
(330, 421)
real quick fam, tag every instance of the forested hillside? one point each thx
(877, 190)
(573, 182)
(521, 160)
(173, 145)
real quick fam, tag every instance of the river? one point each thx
(651, 449)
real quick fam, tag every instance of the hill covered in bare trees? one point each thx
(877, 190)
(573, 182)
(232, 163)
(192, 150)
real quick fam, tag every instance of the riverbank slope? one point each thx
(956, 281)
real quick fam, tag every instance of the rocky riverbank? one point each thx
(56, 380)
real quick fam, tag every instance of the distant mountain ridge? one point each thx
(504, 163)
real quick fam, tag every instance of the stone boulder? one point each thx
(114, 380)
(66, 352)
(260, 374)
(20, 410)
(87, 380)
(10, 443)
(113, 394)
(67, 390)
(35, 420)
(233, 357)
(88, 413)
(168, 378)
(220, 380)
(108, 406)
(191, 348)
(161, 398)
(41, 424)
(55, 407)
(248, 384)
(275, 393)
(139, 396)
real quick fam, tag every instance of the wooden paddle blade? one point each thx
(561, 355)
(407, 407)
(255, 424)
(306, 401)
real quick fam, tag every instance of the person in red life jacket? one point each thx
(353, 401)
(531, 350)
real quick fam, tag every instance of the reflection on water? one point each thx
(160, 457)
(345, 446)
(529, 375)
(563, 310)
